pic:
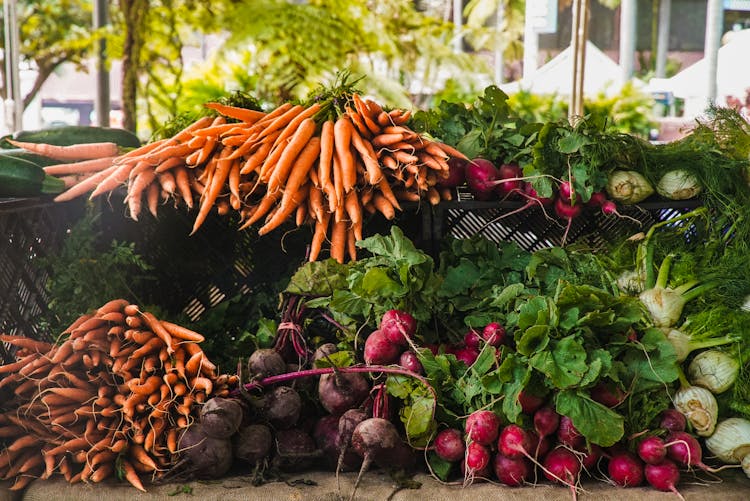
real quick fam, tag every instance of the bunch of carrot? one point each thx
(323, 164)
(113, 397)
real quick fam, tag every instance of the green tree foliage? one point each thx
(52, 32)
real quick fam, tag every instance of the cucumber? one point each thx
(21, 178)
(79, 134)
(40, 160)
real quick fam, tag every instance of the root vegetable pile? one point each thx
(316, 164)
(112, 398)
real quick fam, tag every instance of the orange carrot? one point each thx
(369, 157)
(115, 305)
(353, 207)
(338, 240)
(293, 125)
(182, 180)
(351, 244)
(152, 198)
(182, 333)
(385, 189)
(262, 209)
(84, 186)
(86, 166)
(75, 152)
(297, 143)
(315, 202)
(383, 206)
(27, 343)
(280, 121)
(223, 166)
(326, 153)
(364, 112)
(321, 228)
(244, 114)
(289, 203)
(157, 328)
(342, 131)
(131, 475)
(451, 151)
(259, 155)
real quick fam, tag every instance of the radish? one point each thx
(566, 191)
(473, 475)
(663, 476)
(477, 457)
(652, 450)
(515, 442)
(673, 420)
(511, 172)
(456, 175)
(562, 465)
(482, 427)
(529, 402)
(685, 449)
(397, 326)
(568, 212)
(481, 175)
(466, 355)
(338, 392)
(379, 350)
(471, 339)
(607, 394)
(546, 421)
(449, 445)
(494, 334)
(567, 434)
(541, 445)
(409, 361)
(597, 199)
(625, 470)
(512, 471)
(591, 456)
(533, 196)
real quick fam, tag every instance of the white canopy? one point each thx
(601, 74)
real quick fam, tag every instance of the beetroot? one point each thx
(663, 476)
(567, 434)
(494, 334)
(515, 442)
(379, 350)
(410, 361)
(295, 450)
(282, 407)
(456, 175)
(341, 391)
(625, 470)
(482, 427)
(252, 443)
(266, 362)
(481, 175)
(203, 456)
(377, 440)
(221, 417)
(397, 326)
(652, 450)
(512, 471)
(449, 445)
(324, 350)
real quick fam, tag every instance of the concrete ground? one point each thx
(375, 486)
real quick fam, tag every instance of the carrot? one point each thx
(85, 185)
(152, 345)
(84, 167)
(353, 207)
(131, 475)
(104, 471)
(244, 114)
(115, 305)
(152, 198)
(316, 203)
(342, 131)
(364, 112)
(157, 328)
(369, 157)
(172, 440)
(383, 206)
(75, 152)
(22, 443)
(27, 343)
(201, 384)
(387, 139)
(451, 151)
(73, 445)
(299, 170)
(293, 125)
(290, 201)
(259, 155)
(338, 240)
(358, 122)
(147, 387)
(300, 215)
(223, 166)
(351, 244)
(182, 180)
(280, 121)
(234, 181)
(21, 482)
(326, 153)
(182, 333)
(296, 145)
(138, 453)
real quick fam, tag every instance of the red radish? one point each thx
(471, 339)
(652, 450)
(466, 355)
(533, 196)
(511, 172)
(565, 210)
(567, 434)
(686, 450)
(512, 471)
(541, 445)
(515, 442)
(663, 476)
(398, 325)
(494, 334)
(608, 394)
(546, 421)
(597, 199)
(625, 470)
(529, 402)
(456, 173)
(470, 476)
(482, 427)
(566, 191)
(449, 445)
(673, 420)
(591, 456)
(481, 175)
(562, 465)
(410, 361)
(379, 350)
(477, 456)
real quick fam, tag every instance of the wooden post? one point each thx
(579, 36)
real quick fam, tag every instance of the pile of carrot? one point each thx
(112, 398)
(298, 162)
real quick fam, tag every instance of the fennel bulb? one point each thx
(699, 406)
(714, 370)
(678, 185)
(730, 441)
(628, 187)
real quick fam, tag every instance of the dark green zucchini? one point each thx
(40, 160)
(21, 178)
(79, 134)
